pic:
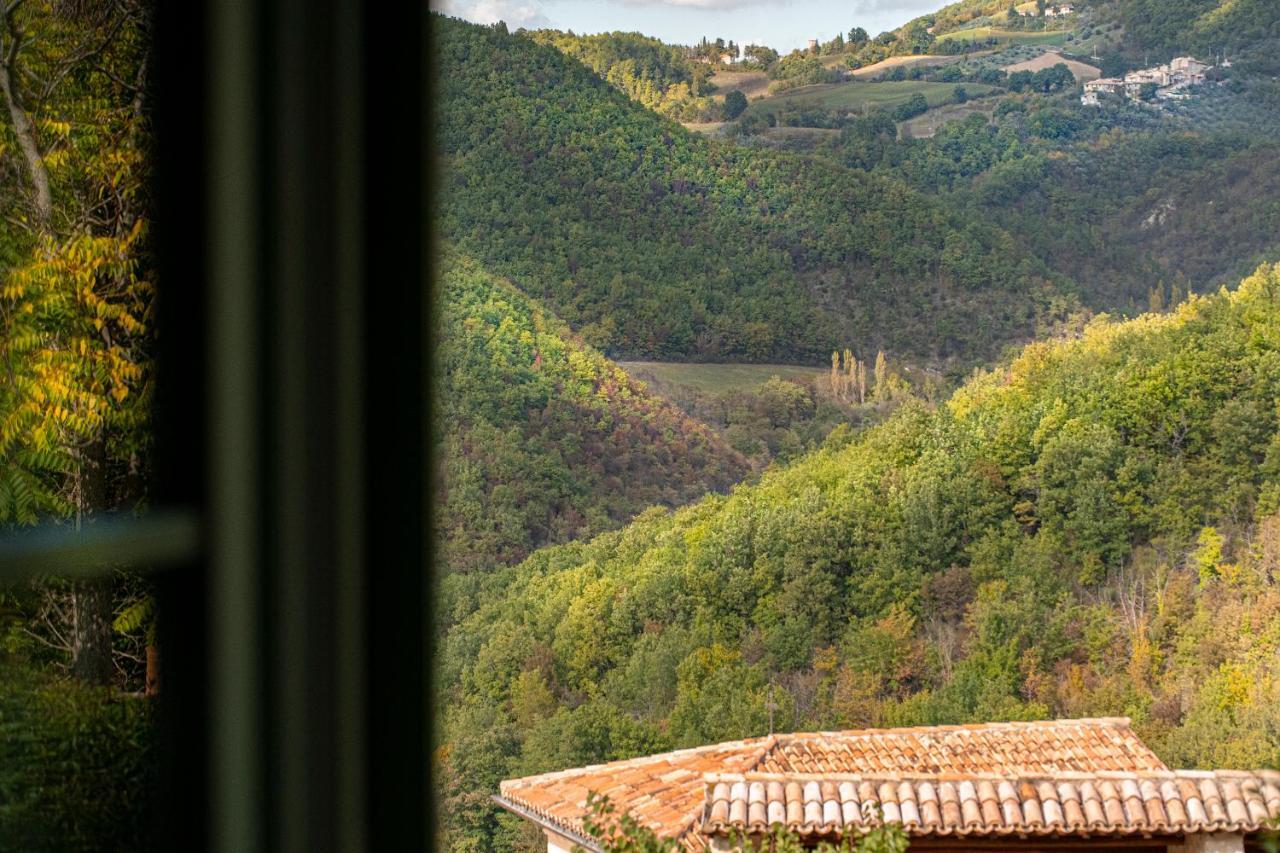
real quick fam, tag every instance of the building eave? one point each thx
(576, 837)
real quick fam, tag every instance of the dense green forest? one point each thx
(1090, 528)
(543, 439)
(1183, 211)
(76, 292)
(1121, 203)
(657, 75)
(653, 242)
(1207, 26)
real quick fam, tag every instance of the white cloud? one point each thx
(516, 13)
(716, 5)
(868, 6)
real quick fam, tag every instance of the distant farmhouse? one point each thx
(1169, 80)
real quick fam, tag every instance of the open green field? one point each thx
(1006, 36)
(858, 95)
(719, 378)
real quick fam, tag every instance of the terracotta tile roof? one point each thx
(1099, 803)
(667, 792)
(1000, 748)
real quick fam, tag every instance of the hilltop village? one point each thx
(1168, 81)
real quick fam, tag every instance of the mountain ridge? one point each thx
(654, 243)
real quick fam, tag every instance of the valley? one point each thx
(878, 383)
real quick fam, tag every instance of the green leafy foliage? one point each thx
(917, 105)
(1031, 548)
(799, 69)
(734, 103)
(544, 439)
(76, 766)
(76, 298)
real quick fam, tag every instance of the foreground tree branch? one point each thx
(23, 128)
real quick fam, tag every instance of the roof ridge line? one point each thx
(1066, 775)
(1110, 722)
(770, 744)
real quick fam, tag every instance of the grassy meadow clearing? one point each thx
(720, 377)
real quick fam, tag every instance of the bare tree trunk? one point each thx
(91, 600)
(91, 631)
(22, 126)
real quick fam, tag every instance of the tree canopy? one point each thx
(543, 439)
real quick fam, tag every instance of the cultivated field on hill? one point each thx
(875, 69)
(1006, 36)
(1081, 70)
(753, 84)
(860, 95)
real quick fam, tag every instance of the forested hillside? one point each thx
(1123, 201)
(1167, 210)
(1206, 26)
(1247, 28)
(1092, 528)
(1124, 204)
(657, 75)
(543, 439)
(652, 242)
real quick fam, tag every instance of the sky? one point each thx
(781, 24)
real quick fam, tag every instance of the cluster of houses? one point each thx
(1053, 10)
(1169, 80)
